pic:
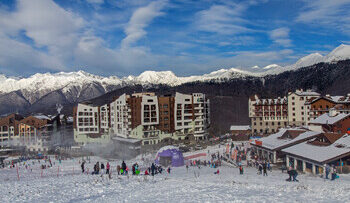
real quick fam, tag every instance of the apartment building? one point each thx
(8, 129)
(299, 108)
(267, 115)
(147, 117)
(323, 104)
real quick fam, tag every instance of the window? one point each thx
(150, 100)
(293, 98)
(165, 106)
(293, 103)
(187, 100)
(293, 109)
(293, 114)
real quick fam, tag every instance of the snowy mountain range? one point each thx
(73, 87)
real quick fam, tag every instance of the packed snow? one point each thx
(64, 182)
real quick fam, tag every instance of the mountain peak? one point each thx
(342, 52)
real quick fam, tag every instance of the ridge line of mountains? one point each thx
(228, 89)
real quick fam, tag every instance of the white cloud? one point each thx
(222, 19)
(281, 36)
(334, 13)
(139, 20)
(95, 1)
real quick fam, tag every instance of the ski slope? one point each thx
(69, 185)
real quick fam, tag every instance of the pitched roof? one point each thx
(33, 121)
(326, 119)
(285, 137)
(240, 127)
(321, 154)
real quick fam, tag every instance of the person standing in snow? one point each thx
(118, 169)
(260, 168)
(98, 168)
(334, 173)
(107, 168)
(124, 168)
(153, 168)
(169, 169)
(241, 169)
(327, 170)
(83, 167)
(265, 169)
(102, 168)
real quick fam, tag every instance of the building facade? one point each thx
(267, 115)
(323, 104)
(146, 117)
(298, 107)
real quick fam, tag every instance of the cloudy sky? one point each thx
(123, 37)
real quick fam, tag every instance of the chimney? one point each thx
(332, 112)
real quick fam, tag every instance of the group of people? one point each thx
(123, 169)
(97, 168)
(263, 167)
(331, 170)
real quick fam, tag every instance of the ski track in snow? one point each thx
(179, 186)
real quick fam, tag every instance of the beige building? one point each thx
(267, 115)
(298, 107)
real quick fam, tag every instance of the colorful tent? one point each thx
(170, 156)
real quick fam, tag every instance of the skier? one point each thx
(107, 167)
(83, 167)
(169, 169)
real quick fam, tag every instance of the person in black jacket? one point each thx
(102, 168)
(153, 168)
(83, 167)
(124, 168)
(265, 169)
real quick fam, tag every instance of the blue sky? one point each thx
(123, 37)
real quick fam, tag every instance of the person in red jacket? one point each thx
(107, 168)
(146, 173)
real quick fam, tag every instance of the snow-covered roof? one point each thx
(130, 140)
(318, 153)
(326, 119)
(240, 127)
(42, 117)
(280, 140)
(167, 148)
(271, 101)
(306, 93)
